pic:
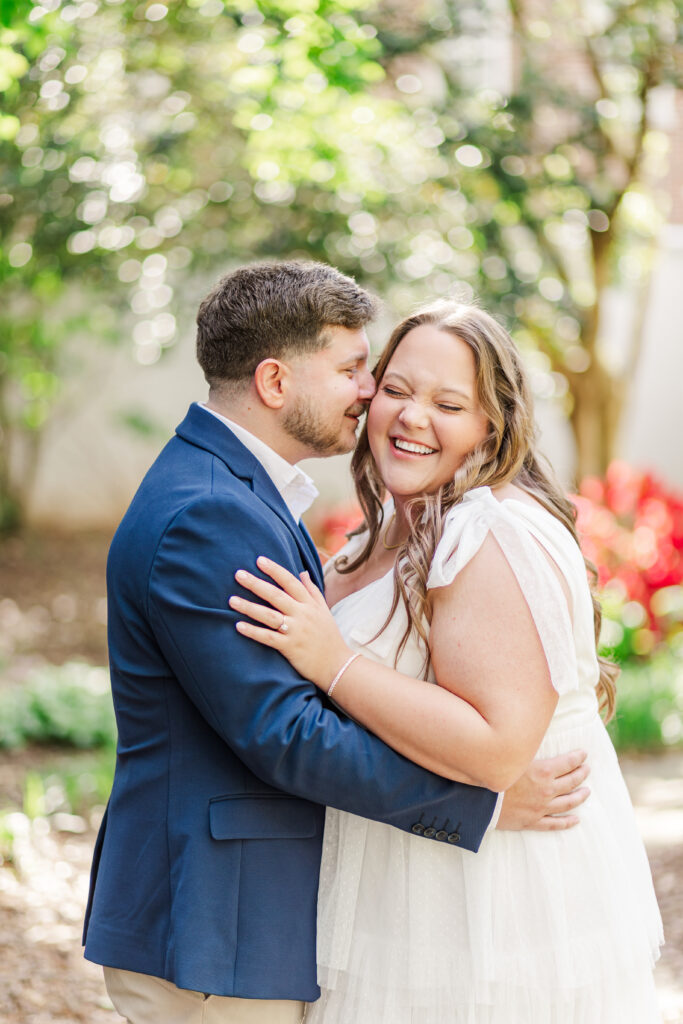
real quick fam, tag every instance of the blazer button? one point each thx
(453, 837)
(418, 828)
(429, 832)
(441, 835)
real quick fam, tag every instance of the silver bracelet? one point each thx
(341, 672)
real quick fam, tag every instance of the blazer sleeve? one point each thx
(275, 721)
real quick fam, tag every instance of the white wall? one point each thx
(91, 463)
(652, 432)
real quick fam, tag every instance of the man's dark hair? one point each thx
(273, 310)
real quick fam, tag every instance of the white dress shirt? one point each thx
(296, 488)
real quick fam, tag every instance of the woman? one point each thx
(470, 577)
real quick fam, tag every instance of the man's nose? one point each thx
(366, 386)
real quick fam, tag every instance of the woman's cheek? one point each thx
(375, 430)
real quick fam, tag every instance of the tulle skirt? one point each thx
(535, 928)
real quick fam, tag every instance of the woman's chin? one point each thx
(406, 489)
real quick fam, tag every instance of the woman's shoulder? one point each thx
(490, 497)
(511, 492)
(508, 503)
(515, 517)
(477, 506)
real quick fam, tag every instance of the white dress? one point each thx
(535, 928)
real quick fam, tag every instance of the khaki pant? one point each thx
(144, 999)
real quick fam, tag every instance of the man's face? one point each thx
(331, 389)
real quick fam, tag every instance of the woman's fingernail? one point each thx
(262, 560)
(241, 574)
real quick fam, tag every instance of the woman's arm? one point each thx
(494, 700)
(485, 720)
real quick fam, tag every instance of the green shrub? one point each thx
(73, 787)
(650, 704)
(69, 704)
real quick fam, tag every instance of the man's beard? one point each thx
(307, 425)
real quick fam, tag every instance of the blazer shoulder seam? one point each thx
(169, 526)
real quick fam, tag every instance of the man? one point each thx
(203, 894)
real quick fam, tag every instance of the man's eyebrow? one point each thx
(356, 357)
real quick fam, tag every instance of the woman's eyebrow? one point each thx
(454, 391)
(398, 376)
(441, 389)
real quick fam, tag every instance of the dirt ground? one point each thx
(52, 607)
(53, 603)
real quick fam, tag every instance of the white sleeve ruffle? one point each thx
(465, 529)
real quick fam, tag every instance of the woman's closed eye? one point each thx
(393, 392)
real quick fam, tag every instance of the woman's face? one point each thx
(425, 416)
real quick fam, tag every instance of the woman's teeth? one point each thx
(415, 449)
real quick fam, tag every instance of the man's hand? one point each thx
(546, 793)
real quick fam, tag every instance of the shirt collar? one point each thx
(295, 487)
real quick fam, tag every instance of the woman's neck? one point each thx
(397, 528)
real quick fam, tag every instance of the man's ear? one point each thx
(271, 380)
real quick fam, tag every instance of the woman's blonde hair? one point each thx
(506, 455)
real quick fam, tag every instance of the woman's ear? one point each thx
(271, 380)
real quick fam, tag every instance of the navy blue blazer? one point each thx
(206, 865)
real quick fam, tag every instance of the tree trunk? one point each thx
(598, 402)
(15, 488)
(10, 507)
(597, 397)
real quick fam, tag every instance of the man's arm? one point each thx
(275, 721)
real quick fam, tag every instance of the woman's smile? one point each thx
(425, 417)
(403, 446)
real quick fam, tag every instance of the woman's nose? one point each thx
(414, 415)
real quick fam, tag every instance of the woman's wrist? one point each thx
(339, 664)
(342, 670)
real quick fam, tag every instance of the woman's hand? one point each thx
(296, 622)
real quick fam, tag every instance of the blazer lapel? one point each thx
(205, 431)
(264, 487)
(318, 577)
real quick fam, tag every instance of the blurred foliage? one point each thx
(465, 147)
(649, 705)
(60, 797)
(69, 788)
(69, 704)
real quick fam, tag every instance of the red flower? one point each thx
(330, 528)
(631, 527)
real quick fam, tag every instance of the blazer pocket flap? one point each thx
(262, 817)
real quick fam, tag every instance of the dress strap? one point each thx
(466, 527)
